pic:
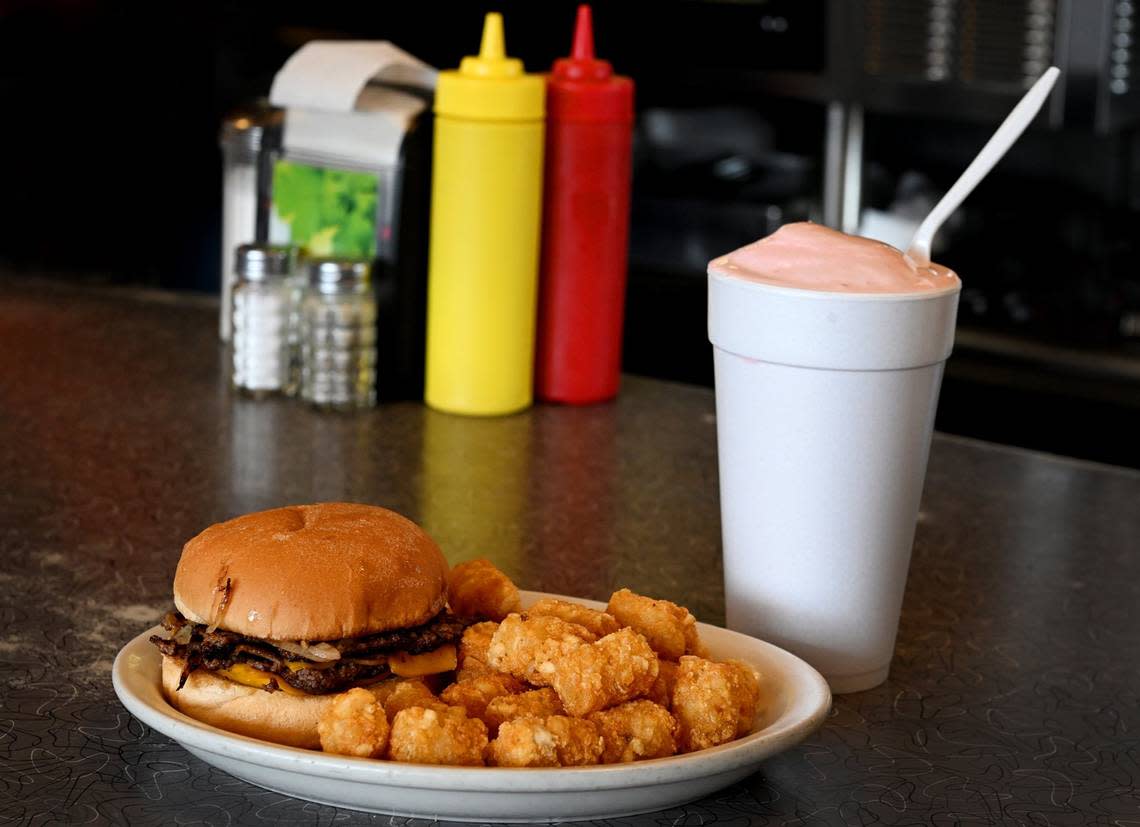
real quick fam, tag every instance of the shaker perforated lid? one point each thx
(339, 275)
(260, 262)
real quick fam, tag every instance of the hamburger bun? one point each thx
(313, 573)
(277, 716)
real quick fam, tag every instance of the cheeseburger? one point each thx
(278, 611)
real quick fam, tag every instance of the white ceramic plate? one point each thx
(797, 702)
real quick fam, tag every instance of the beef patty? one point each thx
(361, 658)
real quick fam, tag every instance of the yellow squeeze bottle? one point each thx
(486, 207)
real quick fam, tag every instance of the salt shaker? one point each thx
(338, 335)
(262, 302)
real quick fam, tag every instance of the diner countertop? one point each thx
(1014, 696)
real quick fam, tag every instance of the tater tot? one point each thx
(476, 641)
(383, 690)
(537, 703)
(554, 741)
(749, 700)
(525, 648)
(429, 736)
(635, 731)
(472, 651)
(693, 643)
(662, 690)
(398, 695)
(354, 724)
(670, 629)
(471, 669)
(478, 589)
(713, 702)
(578, 743)
(600, 623)
(617, 668)
(474, 695)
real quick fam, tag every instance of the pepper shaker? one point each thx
(338, 335)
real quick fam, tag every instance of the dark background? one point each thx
(113, 108)
(112, 174)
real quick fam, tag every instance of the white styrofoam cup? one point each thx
(825, 406)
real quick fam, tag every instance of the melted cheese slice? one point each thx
(438, 660)
(429, 663)
(246, 675)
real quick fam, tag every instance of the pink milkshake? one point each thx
(807, 256)
(828, 352)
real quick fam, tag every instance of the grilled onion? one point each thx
(319, 652)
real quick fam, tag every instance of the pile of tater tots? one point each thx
(556, 685)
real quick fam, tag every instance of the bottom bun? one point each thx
(271, 716)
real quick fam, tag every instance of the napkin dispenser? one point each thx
(353, 179)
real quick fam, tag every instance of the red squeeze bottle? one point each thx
(585, 225)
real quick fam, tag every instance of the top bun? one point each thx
(312, 572)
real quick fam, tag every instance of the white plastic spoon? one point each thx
(1005, 137)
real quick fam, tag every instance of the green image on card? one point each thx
(327, 212)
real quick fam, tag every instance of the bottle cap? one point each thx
(490, 86)
(583, 88)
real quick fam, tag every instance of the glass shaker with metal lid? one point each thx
(263, 300)
(338, 335)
